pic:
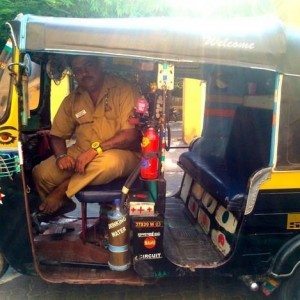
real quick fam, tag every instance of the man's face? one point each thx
(88, 72)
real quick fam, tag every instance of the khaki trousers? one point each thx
(110, 165)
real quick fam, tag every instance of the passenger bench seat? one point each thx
(247, 151)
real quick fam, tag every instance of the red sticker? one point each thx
(221, 239)
(149, 242)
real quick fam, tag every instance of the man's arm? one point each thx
(127, 139)
(63, 161)
(58, 145)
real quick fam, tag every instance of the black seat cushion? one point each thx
(214, 177)
(105, 193)
(249, 144)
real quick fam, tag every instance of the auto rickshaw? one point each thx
(237, 210)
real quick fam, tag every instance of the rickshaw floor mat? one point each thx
(185, 244)
(60, 244)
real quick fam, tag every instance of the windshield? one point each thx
(4, 92)
(34, 86)
(5, 59)
(289, 131)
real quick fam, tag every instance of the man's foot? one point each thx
(39, 216)
(56, 199)
(57, 207)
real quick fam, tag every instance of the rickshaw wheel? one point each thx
(289, 289)
(3, 265)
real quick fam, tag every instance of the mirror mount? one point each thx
(26, 65)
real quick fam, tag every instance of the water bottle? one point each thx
(118, 238)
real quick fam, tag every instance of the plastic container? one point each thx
(118, 238)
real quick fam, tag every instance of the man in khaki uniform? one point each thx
(97, 112)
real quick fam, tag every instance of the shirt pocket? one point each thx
(82, 117)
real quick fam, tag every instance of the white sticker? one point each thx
(80, 114)
(141, 208)
(20, 152)
(197, 191)
(148, 256)
(226, 219)
(220, 241)
(193, 206)
(210, 203)
(204, 221)
(1, 198)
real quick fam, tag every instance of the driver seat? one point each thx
(102, 194)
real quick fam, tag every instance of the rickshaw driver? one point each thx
(97, 112)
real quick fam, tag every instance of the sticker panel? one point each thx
(226, 219)
(293, 221)
(210, 203)
(197, 191)
(193, 206)
(204, 221)
(220, 241)
(141, 208)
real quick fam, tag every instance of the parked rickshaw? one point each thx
(237, 210)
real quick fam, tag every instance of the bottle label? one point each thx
(116, 223)
(118, 231)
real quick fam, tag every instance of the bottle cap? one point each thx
(117, 202)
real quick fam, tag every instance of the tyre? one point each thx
(290, 289)
(3, 265)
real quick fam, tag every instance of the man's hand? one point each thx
(83, 159)
(66, 163)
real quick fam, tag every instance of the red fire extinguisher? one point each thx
(150, 148)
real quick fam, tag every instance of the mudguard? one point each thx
(287, 258)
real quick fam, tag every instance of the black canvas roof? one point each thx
(258, 42)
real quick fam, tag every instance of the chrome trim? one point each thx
(12, 34)
(288, 274)
(255, 181)
(275, 127)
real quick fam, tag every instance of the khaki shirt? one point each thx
(77, 113)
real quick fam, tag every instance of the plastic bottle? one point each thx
(118, 238)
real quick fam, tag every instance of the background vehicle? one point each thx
(237, 209)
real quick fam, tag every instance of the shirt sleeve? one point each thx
(63, 123)
(129, 95)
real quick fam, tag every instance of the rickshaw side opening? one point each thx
(238, 201)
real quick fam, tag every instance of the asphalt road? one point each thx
(218, 288)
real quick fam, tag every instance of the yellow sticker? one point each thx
(293, 221)
(145, 142)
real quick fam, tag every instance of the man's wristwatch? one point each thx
(61, 155)
(96, 146)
